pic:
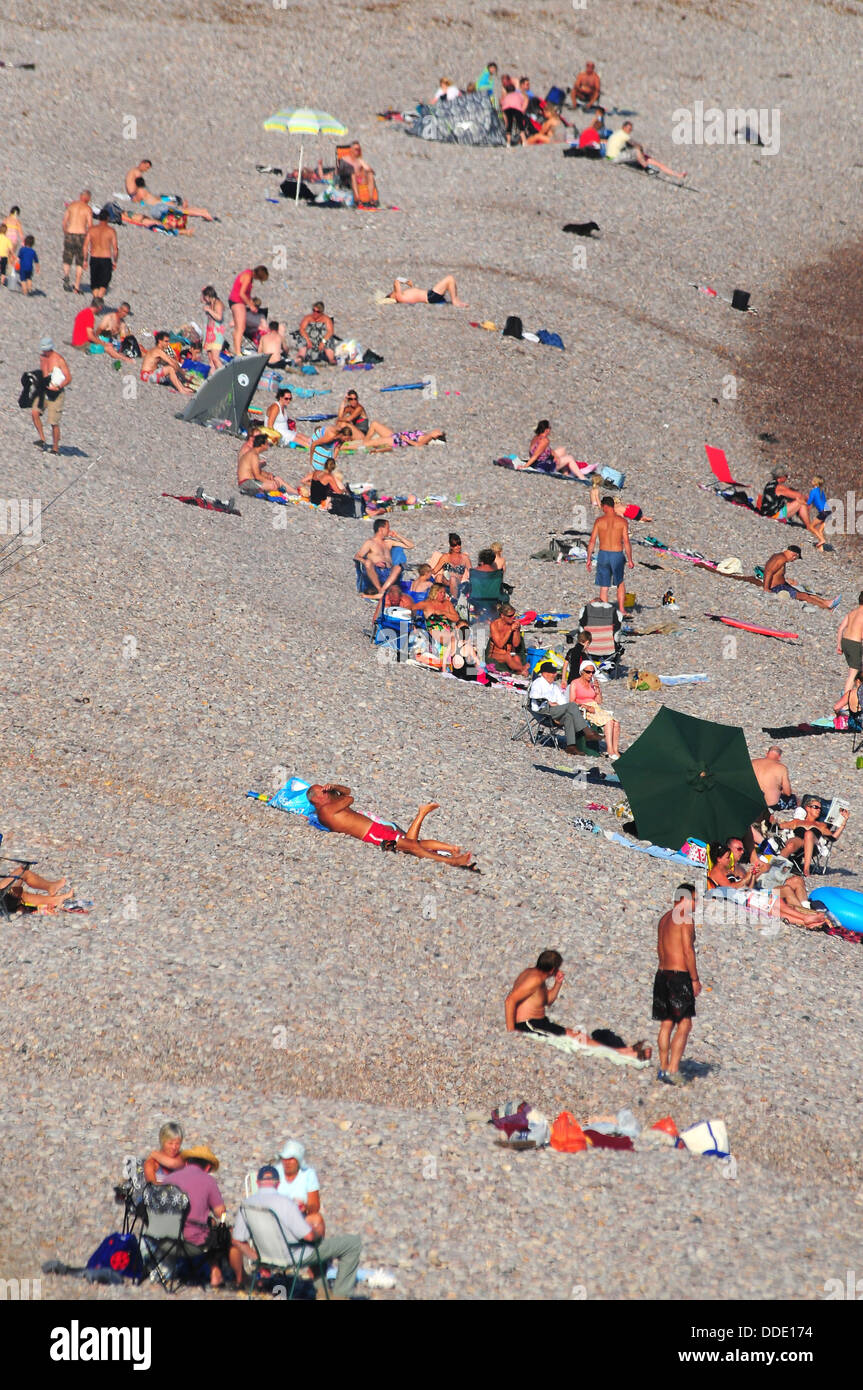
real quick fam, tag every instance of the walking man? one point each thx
(849, 643)
(611, 535)
(100, 247)
(77, 221)
(676, 983)
(49, 405)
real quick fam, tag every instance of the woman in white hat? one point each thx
(297, 1179)
(585, 691)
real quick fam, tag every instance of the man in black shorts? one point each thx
(100, 246)
(531, 995)
(406, 292)
(676, 983)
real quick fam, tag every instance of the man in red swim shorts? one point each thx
(333, 805)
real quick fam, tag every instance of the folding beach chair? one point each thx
(541, 732)
(485, 593)
(274, 1251)
(719, 466)
(169, 1258)
(602, 622)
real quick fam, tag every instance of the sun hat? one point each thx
(585, 665)
(46, 345)
(292, 1148)
(202, 1151)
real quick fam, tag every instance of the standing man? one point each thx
(676, 983)
(77, 221)
(299, 1230)
(776, 583)
(100, 247)
(611, 534)
(49, 405)
(849, 643)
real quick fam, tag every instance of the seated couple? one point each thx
(553, 459)
(333, 805)
(531, 995)
(354, 417)
(575, 707)
(728, 869)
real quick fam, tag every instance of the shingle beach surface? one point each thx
(254, 978)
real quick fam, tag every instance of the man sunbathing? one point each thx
(333, 806)
(405, 292)
(251, 477)
(138, 191)
(31, 890)
(531, 995)
(776, 583)
(158, 365)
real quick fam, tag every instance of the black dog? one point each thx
(582, 228)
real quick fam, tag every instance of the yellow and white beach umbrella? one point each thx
(303, 120)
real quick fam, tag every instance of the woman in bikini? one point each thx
(454, 565)
(382, 437)
(542, 456)
(241, 303)
(355, 417)
(505, 641)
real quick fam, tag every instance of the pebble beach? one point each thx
(253, 978)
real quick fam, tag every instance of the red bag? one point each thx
(567, 1136)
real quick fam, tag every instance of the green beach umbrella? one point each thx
(689, 777)
(303, 120)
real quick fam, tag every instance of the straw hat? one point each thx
(203, 1152)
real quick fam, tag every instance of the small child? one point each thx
(5, 252)
(28, 264)
(817, 498)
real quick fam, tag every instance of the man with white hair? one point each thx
(298, 1229)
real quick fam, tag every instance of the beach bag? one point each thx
(120, 1253)
(131, 347)
(612, 475)
(550, 339)
(567, 1135)
(513, 327)
(31, 389)
(709, 1137)
(696, 852)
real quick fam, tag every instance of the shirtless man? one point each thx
(776, 583)
(77, 221)
(55, 369)
(611, 534)
(273, 344)
(772, 777)
(100, 247)
(586, 87)
(531, 995)
(333, 806)
(159, 365)
(251, 477)
(676, 984)
(849, 643)
(382, 555)
(138, 191)
(114, 323)
(405, 292)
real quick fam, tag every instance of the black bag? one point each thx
(346, 504)
(513, 327)
(131, 347)
(32, 389)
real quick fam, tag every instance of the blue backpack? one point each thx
(120, 1253)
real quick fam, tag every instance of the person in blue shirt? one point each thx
(817, 498)
(28, 264)
(486, 80)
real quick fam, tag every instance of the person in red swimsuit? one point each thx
(241, 303)
(333, 805)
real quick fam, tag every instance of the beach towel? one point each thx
(291, 797)
(580, 1049)
(209, 504)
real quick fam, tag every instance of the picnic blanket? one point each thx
(594, 1050)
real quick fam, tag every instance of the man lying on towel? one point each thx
(333, 806)
(531, 995)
